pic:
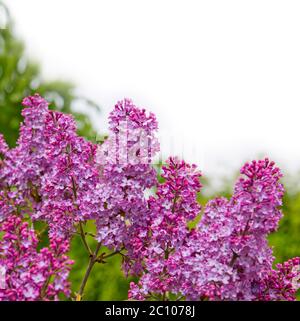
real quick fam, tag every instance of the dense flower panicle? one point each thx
(29, 274)
(26, 162)
(132, 139)
(204, 259)
(67, 185)
(258, 197)
(21, 166)
(280, 284)
(53, 168)
(63, 150)
(125, 163)
(230, 252)
(175, 205)
(137, 118)
(227, 256)
(49, 165)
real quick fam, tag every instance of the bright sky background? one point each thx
(223, 77)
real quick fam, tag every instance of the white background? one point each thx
(222, 76)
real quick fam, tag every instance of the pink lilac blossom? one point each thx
(233, 250)
(39, 177)
(31, 274)
(227, 256)
(282, 283)
(52, 168)
(68, 184)
(22, 166)
(126, 173)
(229, 253)
(25, 163)
(173, 207)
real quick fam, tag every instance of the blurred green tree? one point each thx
(20, 77)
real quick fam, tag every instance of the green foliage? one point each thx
(20, 77)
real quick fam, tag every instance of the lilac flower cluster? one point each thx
(52, 168)
(173, 207)
(125, 160)
(227, 256)
(40, 178)
(53, 175)
(63, 180)
(233, 252)
(68, 182)
(281, 284)
(31, 274)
